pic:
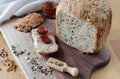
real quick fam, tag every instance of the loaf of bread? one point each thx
(84, 24)
(42, 48)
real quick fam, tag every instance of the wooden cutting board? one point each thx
(86, 63)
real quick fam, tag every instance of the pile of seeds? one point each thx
(6, 61)
(38, 67)
(10, 65)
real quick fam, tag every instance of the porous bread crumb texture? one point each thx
(76, 33)
(29, 22)
(41, 47)
(95, 13)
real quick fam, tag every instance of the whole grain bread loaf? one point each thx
(84, 24)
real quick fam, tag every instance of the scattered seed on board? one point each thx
(27, 58)
(17, 52)
(33, 61)
(13, 47)
(28, 53)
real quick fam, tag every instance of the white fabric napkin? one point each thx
(8, 8)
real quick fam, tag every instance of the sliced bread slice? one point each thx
(41, 47)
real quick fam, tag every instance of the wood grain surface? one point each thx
(111, 71)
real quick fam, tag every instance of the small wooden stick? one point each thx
(62, 67)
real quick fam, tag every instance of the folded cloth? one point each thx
(9, 8)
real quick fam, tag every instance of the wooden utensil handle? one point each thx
(73, 71)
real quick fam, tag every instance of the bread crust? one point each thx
(47, 53)
(95, 12)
